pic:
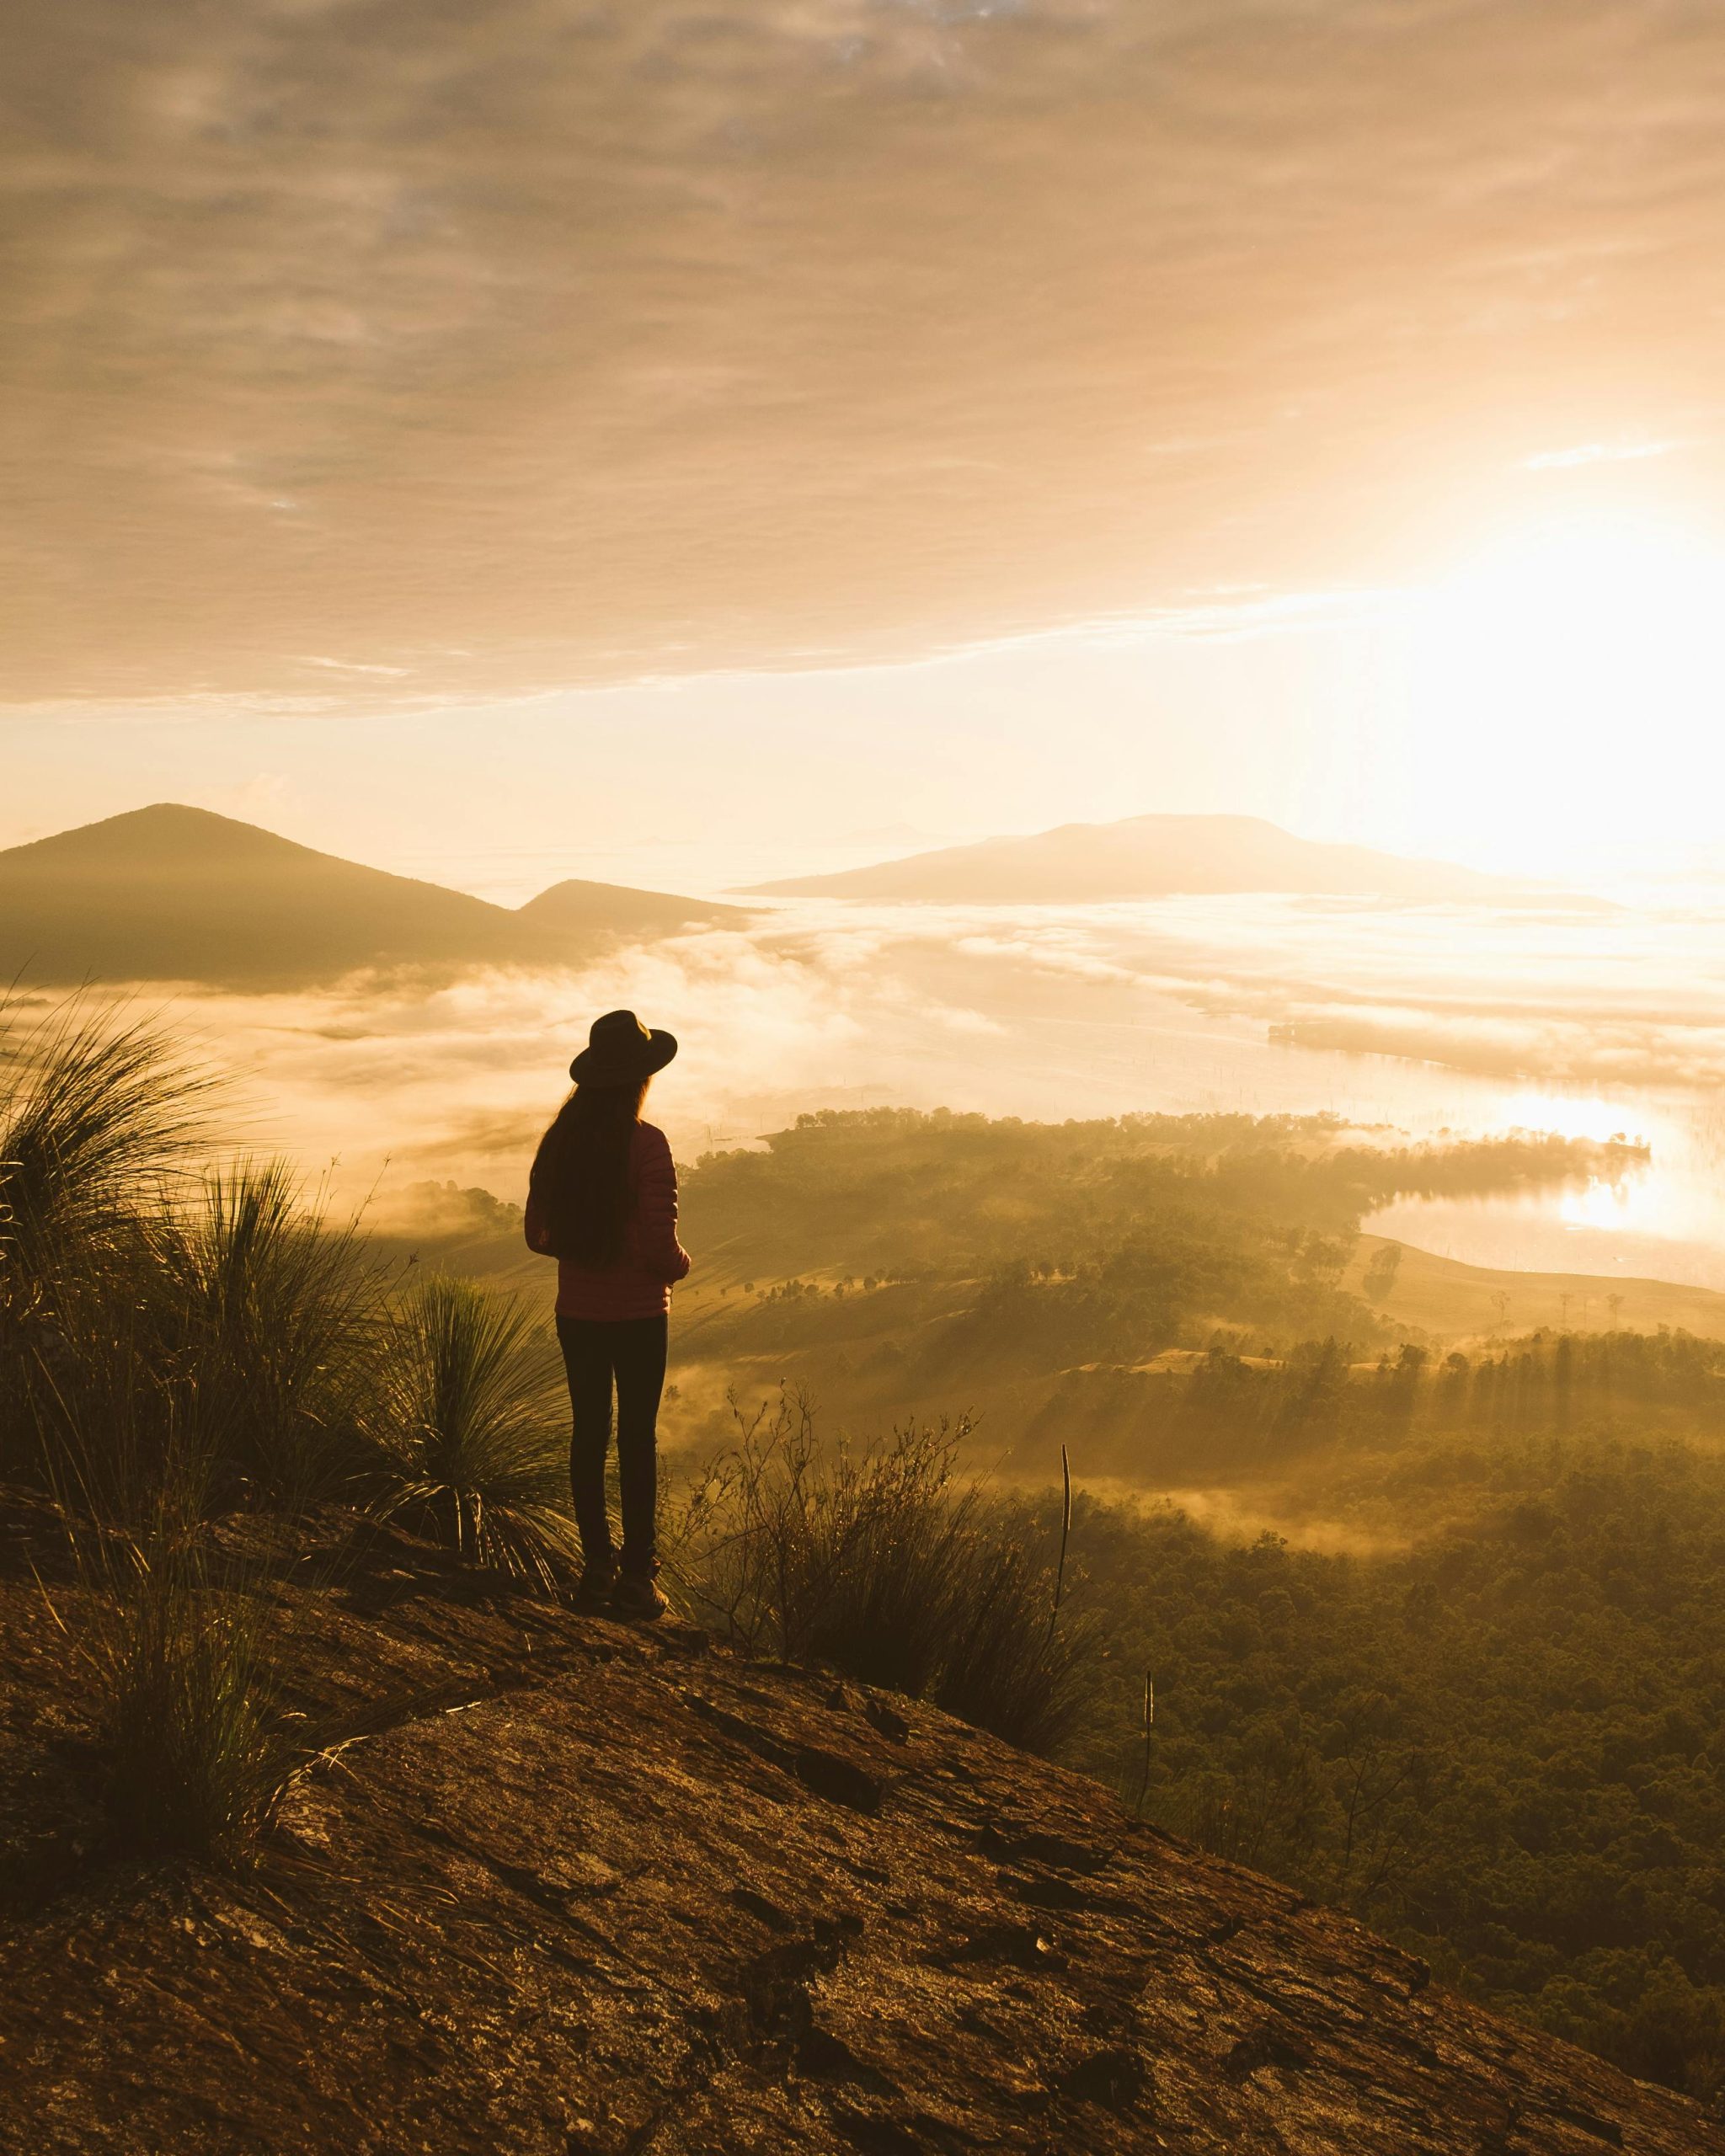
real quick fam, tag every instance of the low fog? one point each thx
(1426, 1019)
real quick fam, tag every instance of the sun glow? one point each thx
(1565, 691)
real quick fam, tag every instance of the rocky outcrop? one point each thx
(580, 1890)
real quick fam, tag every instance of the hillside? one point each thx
(573, 907)
(1454, 1301)
(169, 892)
(894, 1261)
(1146, 856)
(583, 1892)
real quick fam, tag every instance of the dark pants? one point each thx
(630, 1354)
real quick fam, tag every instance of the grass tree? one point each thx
(469, 1425)
(99, 1123)
(276, 1320)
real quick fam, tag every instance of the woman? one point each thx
(602, 1201)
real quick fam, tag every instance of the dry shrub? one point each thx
(884, 1564)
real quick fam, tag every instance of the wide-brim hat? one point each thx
(621, 1051)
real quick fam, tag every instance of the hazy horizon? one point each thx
(1256, 1004)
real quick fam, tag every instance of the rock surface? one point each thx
(584, 1890)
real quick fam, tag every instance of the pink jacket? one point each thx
(639, 1283)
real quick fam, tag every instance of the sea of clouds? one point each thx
(1422, 1019)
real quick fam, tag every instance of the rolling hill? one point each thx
(169, 892)
(571, 908)
(1146, 856)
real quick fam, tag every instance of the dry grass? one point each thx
(884, 1564)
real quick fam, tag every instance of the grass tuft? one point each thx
(469, 1432)
(194, 1758)
(98, 1123)
(94, 1114)
(276, 1322)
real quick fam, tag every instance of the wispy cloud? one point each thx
(356, 666)
(590, 342)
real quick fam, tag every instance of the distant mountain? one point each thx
(170, 892)
(1145, 856)
(573, 909)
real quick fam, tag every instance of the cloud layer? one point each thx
(406, 348)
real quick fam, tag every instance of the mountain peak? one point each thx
(1151, 856)
(171, 893)
(159, 825)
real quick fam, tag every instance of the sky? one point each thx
(685, 443)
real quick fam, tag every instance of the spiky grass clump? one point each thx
(97, 1122)
(470, 1429)
(277, 1321)
(196, 1760)
(93, 1115)
(171, 1349)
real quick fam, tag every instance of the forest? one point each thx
(1501, 1742)
(893, 1261)
(1470, 1682)
(902, 1194)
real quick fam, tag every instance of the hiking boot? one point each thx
(638, 1597)
(598, 1583)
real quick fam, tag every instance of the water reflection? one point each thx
(1666, 1221)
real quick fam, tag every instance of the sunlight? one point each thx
(1566, 687)
(1622, 1208)
(1568, 1115)
(1637, 591)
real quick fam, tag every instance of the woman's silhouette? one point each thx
(602, 1201)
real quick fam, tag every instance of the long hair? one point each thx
(580, 1175)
